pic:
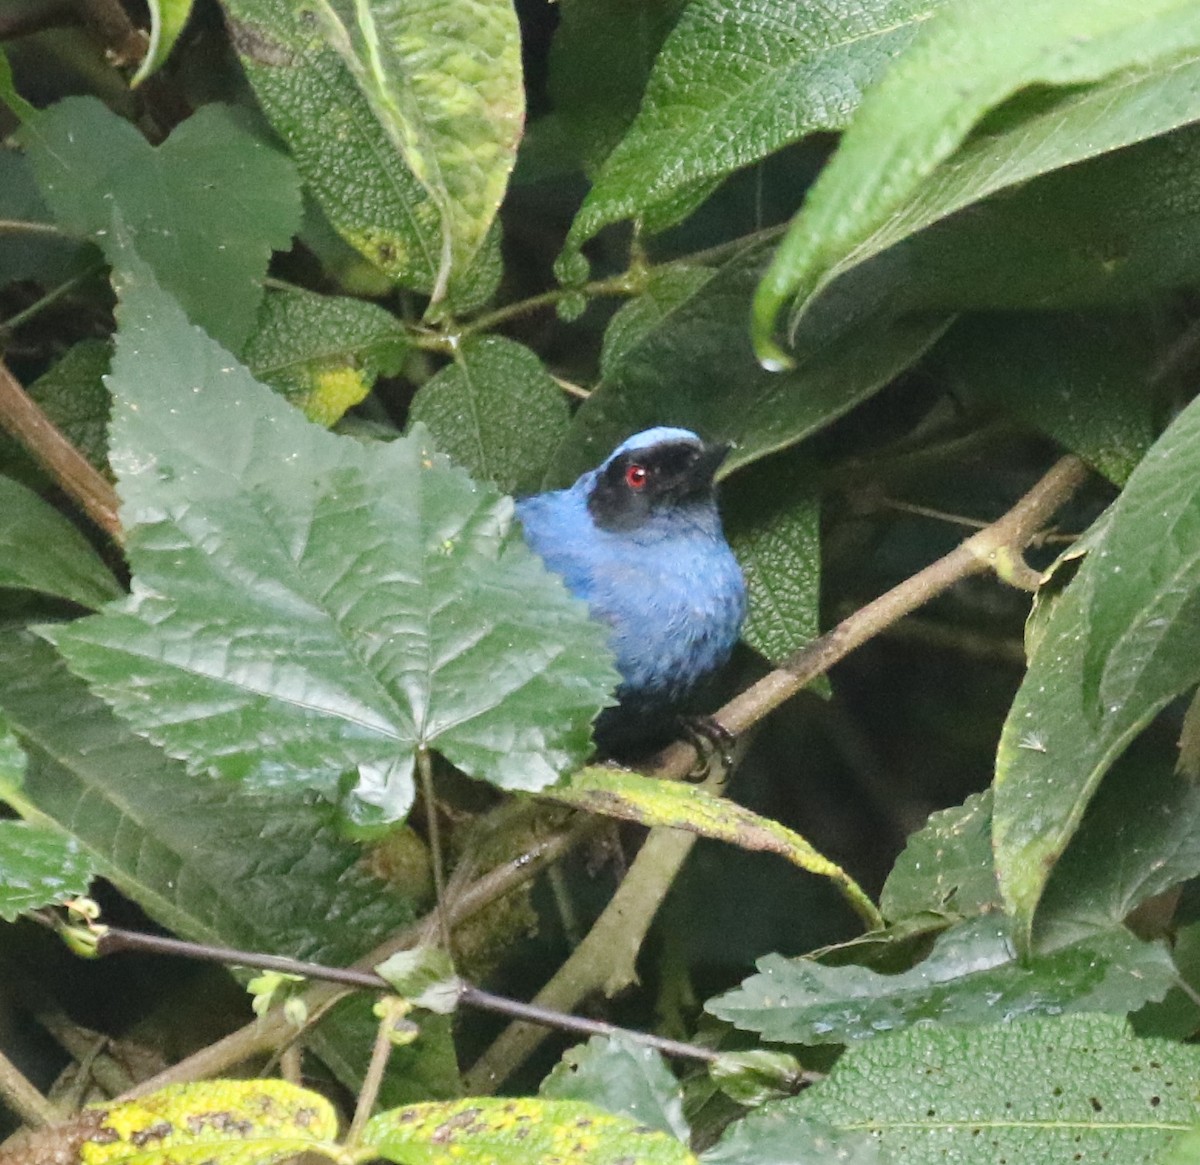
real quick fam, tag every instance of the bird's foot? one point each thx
(710, 739)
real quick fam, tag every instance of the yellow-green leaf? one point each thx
(239, 1122)
(167, 18)
(490, 1131)
(631, 797)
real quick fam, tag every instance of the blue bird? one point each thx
(639, 539)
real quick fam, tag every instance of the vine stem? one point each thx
(21, 416)
(605, 958)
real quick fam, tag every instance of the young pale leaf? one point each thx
(491, 1131)
(167, 18)
(237, 1122)
(304, 605)
(206, 207)
(443, 78)
(345, 156)
(628, 796)
(323, 352)
(207, 859)
(39, 867)
(1116, 647)
(734, 82)
(969, 59)
(496, 411)
(971, 976)
(41, 551)
(1078, 1088)
(623, 1078)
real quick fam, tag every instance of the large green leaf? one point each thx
(35, 252)
(443, 78)
(1081, 379)
(620, 1077)
(972, 976)
(734, 82)
(40, 550)
(685, 359)
(210, 860)
(345, 155)
(496, 411)
(206, 207)
(772, 1136)
(38, 867)
(304, 605)
(1118, 644)
(1078, 1089)
(323, 352)
(970, 59)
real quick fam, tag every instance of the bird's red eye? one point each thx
(635, 476)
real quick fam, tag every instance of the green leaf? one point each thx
(772, 515)
(1117, 646)
(322, 352)
(36, 254)
(734, 82)
(425, 976)
(629, 796)
(1080, 379)
(41, 551)
(1078, 1088)
(207, 859)
(344, 154)
(206, 207)
(237, 1122)
(685, 355)
(443, 78)
(495, 411)
(492, 1131)
(600, 58)
(167, 19)
(12, 758)
(305, 605)
(623, 1078)
(971, 976)
(771, 1135)
(38, 867)
(970, 59)
(946, 867)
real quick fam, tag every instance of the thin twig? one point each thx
(21, 416)
(51, 297)
(381, 1052)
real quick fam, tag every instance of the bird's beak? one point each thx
(705, 467)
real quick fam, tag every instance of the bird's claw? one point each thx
(709, 738)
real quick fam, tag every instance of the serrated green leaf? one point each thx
(623, 1078)
(1117, 646)
(490, 1131)
(600, 58)
(970, 59)
(629, 796)
(773, 1136)
(1081, 379)
(495, 411)
(238, 1122)
(1078, 1088)
(323, 352)
(443, 78)
(305, 605)
(41, 550)
(686, 356)
(772, 515)
(972, 976)
(734, 82)
(38, 867)
(206, 859)
(347, 160)
(206, 207)
(946, 866)
(167, 19)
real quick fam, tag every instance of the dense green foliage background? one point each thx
(318, 285)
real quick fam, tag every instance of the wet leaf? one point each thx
(38, 867)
